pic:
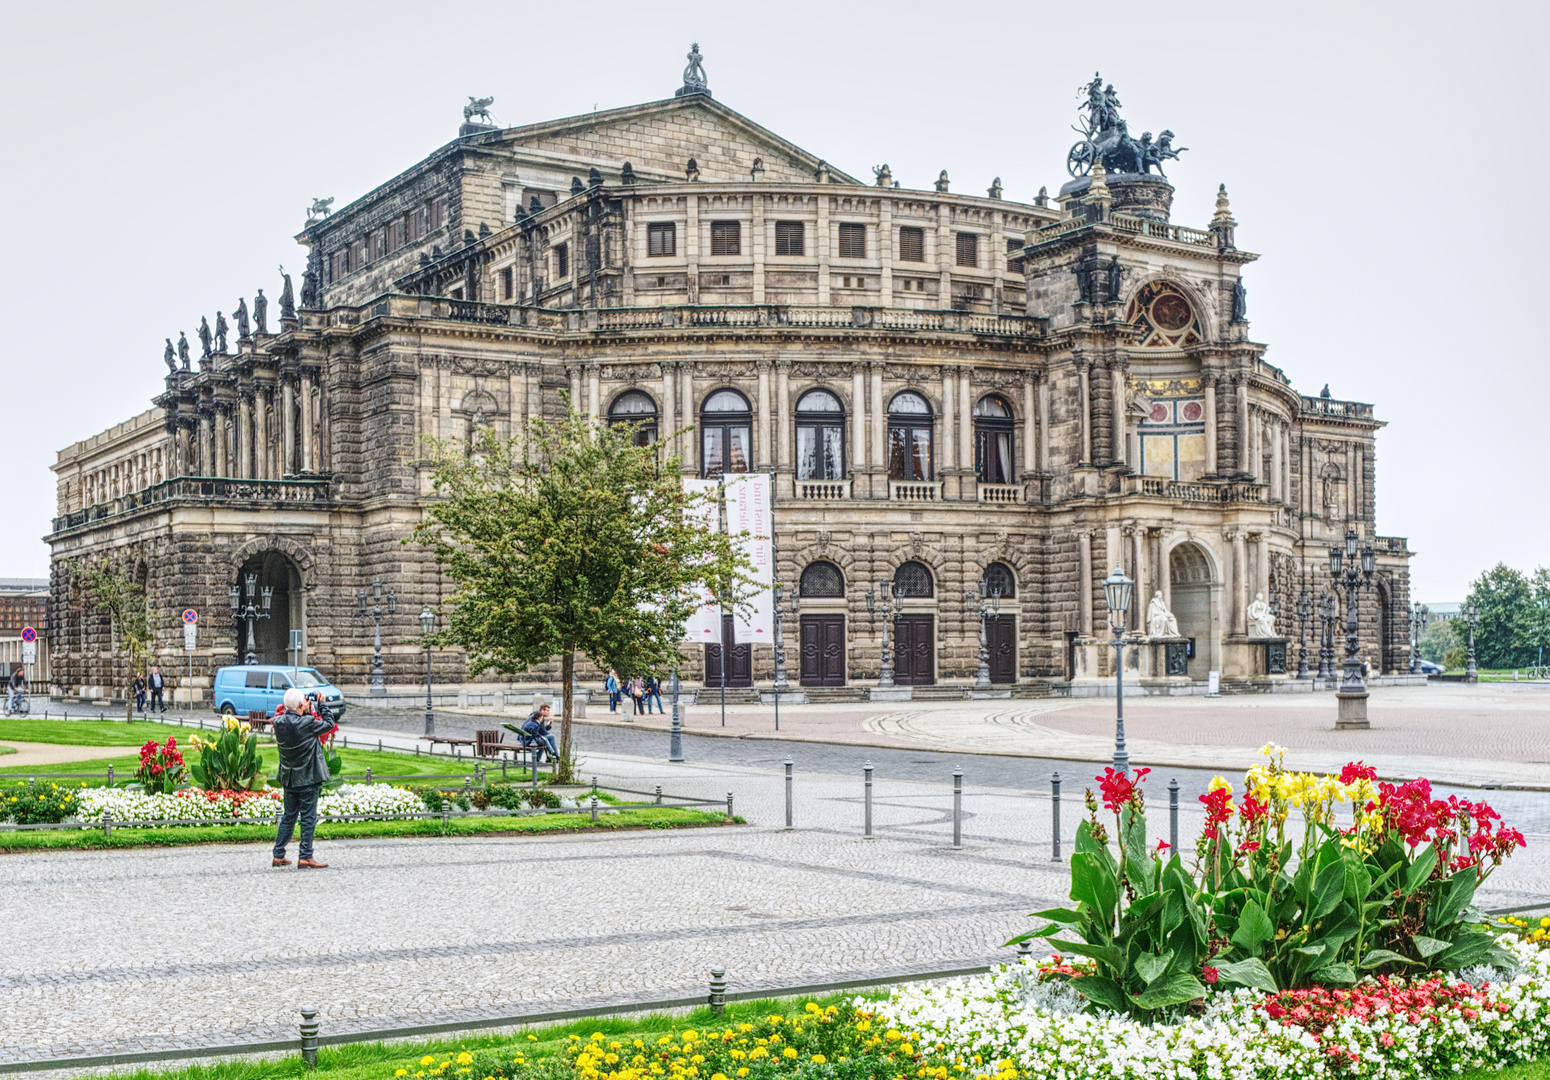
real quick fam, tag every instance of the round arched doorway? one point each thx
(1192, 596)
(278, 634)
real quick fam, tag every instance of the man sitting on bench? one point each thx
(536, 733)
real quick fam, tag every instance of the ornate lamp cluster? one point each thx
(1352, 566)
(882, 602)
(249, 604)
(374, 612)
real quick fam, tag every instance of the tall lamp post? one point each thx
(790, 607)
(1420, 618)
(1471, 616)
(428, 627)
(979, 596)
(249, 608)
(883, 601)
(1116, 594)
(1347, 571)
(1304, 609)
(1327, 636)
(378, 684)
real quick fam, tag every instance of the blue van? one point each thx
(243, 688)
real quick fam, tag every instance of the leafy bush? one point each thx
(435, 799)
(38, 802)
(230, 761)
(161, 767)
(1392, 894)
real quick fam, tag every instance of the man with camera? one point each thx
(299, 733)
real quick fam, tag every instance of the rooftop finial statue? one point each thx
(261, 313)
(320, 208)
(694, 75)
(241, 315)
(220, 332)
(183, 351)
(1105, 137)
(478, 106)
(204, 337)
(287, 297)
(170, 358)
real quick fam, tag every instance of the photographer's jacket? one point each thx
(302, 763)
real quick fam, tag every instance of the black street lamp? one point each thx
(428, 627)
(885, 592)
(980, 595)
(250, 608)
(1420, 618)
(781, 610)
(1347, 571)
(1327, 607)
(378, 683)
(1304, 610)
(1471, 616)
(1116, 594)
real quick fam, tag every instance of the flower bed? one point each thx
(238, 806)
(1386, 1029)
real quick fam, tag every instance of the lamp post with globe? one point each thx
(1304, 609)
(1116, 594)
(428, 627)
(1347, 571)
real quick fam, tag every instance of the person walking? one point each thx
(611, 684)
(653, 692)
(638, 694)
(157, 685)
(299, 734)
(140, 693)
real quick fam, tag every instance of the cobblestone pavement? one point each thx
(122, 951)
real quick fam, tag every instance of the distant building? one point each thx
(23, 602)
(950, 388)
(1444, 612)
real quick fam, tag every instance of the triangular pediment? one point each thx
(659, 138)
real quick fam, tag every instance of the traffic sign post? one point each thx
(29, 654)
(190, 640)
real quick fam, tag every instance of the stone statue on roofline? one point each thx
(170, 358)
(204, 337)
(261, 313)
(183, 351)
(244, 332)
(287, 297)
(220, 332)
(694, 75)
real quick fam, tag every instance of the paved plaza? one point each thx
(124, 951)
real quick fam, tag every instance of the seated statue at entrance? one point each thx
(1262, 621)
(1159, 620)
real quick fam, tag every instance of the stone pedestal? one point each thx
(891, 693)
(1352, 710)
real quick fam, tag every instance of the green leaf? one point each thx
(1093, 884)
(1176, 989)
(1059, 914)
(1149, 966)
(1033, 935)
(1421, 869)
(1101, 991)
(1379, 957)
(1252, 973)
(1254, 929)
(1335, 973)
(1450, 897)
(1108, 955)
(1429, 946)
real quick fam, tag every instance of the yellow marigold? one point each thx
(427, 1060)
(812, 1007)
(907, 1048)
(718, 1076)
(742, 1072)
(465, 1058)
(789, 1052)
(819, 1059)
(401, 1072)
(892, 1035)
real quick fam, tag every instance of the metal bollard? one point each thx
(110, 776)
(1024, 951)
(1173, 815)
(788, 793)
(309, 1036)
(594, 785)
(346, 739)
(446, 816)
(867, 772)
(368, 774)
(467, 783)
(718, 990)
(594, 809)
(957, 808)
(659, 794)
(379, 746)
(729, 806)
(107, 824)
(503, 769)
(1054, 787)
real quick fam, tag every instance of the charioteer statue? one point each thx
(1106, 137)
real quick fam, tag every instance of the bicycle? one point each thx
(21, 705)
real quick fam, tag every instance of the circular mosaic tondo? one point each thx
(1163, 317)
(1170, 311)
(1192, 411)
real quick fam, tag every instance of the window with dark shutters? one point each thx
(852, 241)
(562, 260)
(506, 290)
(1014, 266)
(968, 249)
(912, 244)
(661, 239)
(726, 238)
(789, 237)
(438, 212)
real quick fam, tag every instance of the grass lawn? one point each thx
(378, 1061)
(84, 839)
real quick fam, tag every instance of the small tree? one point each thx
(113, 592)
(571, 538)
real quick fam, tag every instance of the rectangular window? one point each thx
(789, 238)
(506, 292)
(378, 244)
(258, 680)
(1014, 266)
(395, 235)
(562, 260)
(968, 249)
(414, 225)
(661, 239)
(438, 212)
(820, 452)
(912, 244)
(852, 241)
(726, 238)
(357, 255)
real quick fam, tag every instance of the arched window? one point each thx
(636, 407)
(913, 579)
(725, 424)
(999, 581)
(822, 579)
(820, 436)
(909, 437)
(993, 427)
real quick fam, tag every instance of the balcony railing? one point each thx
(1391, 545)
(1001, 493)
(823, 489)
(1179, 234)
(1202, 492)
(199, 488)
(1323, 406)
(915, 491)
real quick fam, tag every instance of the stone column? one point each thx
(821, 248)
(1240, 602)
(1042, 396)
(763, 452)
(594, 392)
(669, 403)
(691, 444)
(1262, 565)
(879, 427)
(860, 459)
(966, 434)
(1030, 430)
(244, 469)
(1208, 380)
(1277, 491)
(1139, 597)
(692, 254)
(287, 429)
(1117, 421)
(206, 462)
(222, 416)
(949, 399)
(1084, 416)
(1245, 439)
(260, 433)
(784, 414)
(885, 247)
(1084, 582)
(576, 401)
(756, 247)
(306, 421)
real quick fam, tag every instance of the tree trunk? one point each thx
(567, 672)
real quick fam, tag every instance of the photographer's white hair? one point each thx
(294, 700)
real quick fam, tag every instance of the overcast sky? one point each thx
(1387, 160)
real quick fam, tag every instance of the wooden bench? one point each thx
(259, 720)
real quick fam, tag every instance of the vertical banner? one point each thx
(749, 523)
(705, 624)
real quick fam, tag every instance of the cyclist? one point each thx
(18, 687)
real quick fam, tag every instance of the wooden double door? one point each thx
(739, 660)
(914, 650)
(1001, 643)
(823, 650)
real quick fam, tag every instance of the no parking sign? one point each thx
(190, 628)
(29, 645)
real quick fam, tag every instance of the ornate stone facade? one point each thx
(948, 380)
